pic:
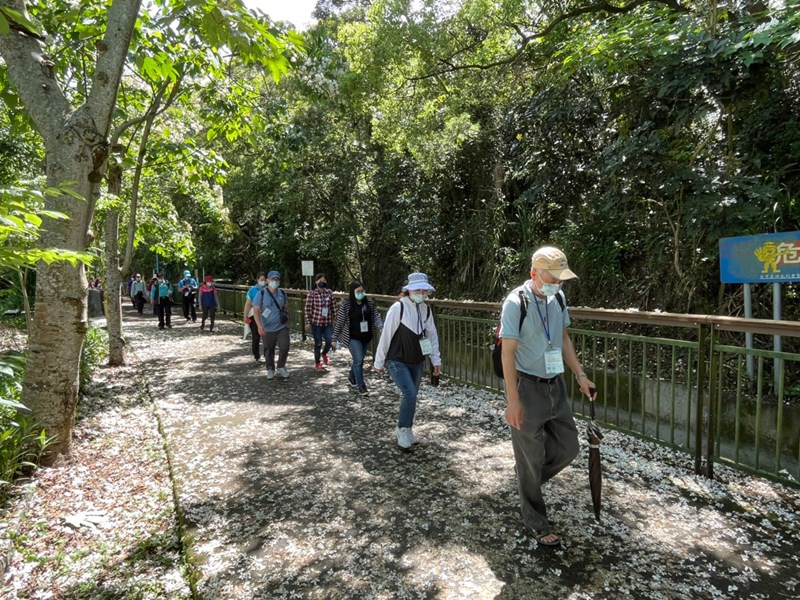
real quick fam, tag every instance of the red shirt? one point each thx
(316, 304)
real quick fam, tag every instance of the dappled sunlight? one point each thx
(452, 570)
(297, 489)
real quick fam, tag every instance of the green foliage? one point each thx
(22, 442)
(458, 139)
(93, 353)
(22, 216)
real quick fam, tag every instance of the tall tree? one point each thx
(76, 146)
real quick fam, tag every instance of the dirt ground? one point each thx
(297, 489)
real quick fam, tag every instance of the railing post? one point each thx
(713, 392)
(702, 337)
(302, 319)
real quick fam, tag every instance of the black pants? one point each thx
(164, 312)
(188, 307)
(138, 302)
(256, 337)
(208, 311)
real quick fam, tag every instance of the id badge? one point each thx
(364, 326)
(325, 312)
(426, 346)
(265, 313)
(554, 362)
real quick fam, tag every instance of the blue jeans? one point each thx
(320, 331)
(357, 351)
(407, 378)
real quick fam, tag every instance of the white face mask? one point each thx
(549, 289)
(418, 297)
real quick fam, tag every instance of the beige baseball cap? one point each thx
(554, 261)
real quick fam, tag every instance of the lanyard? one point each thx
(420, 323)
(545, 320)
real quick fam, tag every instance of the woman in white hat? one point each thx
(409, 336)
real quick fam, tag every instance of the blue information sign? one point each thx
(768, 258)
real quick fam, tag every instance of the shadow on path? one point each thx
(297, 489)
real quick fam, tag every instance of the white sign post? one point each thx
(307, 267)
(308, 271)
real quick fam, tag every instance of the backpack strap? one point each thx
(523, 308)
(427, 318)
(561, 299)
(274, 300)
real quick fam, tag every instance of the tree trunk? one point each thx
(26, 303)
(116, 342)
(50, 388)
(76, 147)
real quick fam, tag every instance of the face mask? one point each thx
(262, 282)
(210, 283)
(418, 297)
(322, 285)
(361, 296)
(160, 281)
(274, 284)
(549, 289)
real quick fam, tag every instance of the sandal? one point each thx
(549, 540)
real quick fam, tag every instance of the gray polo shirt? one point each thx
(543, 315)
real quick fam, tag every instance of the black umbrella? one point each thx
(594, 435)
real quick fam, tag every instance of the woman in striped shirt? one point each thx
(356, 324)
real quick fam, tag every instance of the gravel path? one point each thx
(296, 489)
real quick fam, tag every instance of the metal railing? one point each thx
(683, 388)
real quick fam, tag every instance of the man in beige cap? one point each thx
(534, 352)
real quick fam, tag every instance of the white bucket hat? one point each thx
(418, 281)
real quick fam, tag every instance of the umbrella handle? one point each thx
(592, 394)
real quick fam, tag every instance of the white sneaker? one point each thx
(284, 373)
(414, 439)
(270, 373)
(404, 437)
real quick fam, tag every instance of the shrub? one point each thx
(22, 441)
(95, 351)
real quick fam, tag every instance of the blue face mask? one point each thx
(262, 282)
(418, 297)
(274, 284)
(361, 296)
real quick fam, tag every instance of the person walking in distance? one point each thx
(188, 290)
(249, 320)
(272, 317)
(534, 351)
(161, 297)
(153, 281)
(209, 302)
(138, 291)
(320, 315)
(357, 321)
(409, 337)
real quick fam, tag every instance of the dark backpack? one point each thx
(497, 351)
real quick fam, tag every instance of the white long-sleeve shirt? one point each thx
(418, 319)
